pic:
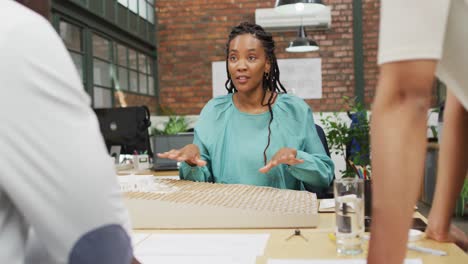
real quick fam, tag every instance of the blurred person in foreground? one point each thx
(59, 197)
(418, 40)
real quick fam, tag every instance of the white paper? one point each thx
(144, 183)
(174, 177)
(197, 260)
(327, 203)
(203, 245)
(332, 261)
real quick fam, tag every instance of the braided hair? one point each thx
(271, 81)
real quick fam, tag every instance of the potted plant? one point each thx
(174, 126)
(174, 135)
(350, 140)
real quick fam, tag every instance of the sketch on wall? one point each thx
(301, 77)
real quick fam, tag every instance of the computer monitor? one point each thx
(163, 143)
(126, 128)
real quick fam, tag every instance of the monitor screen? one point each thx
(163, 143)
(125, 127)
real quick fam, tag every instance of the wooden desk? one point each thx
(164, 173)
(319, 246)
(149, 172)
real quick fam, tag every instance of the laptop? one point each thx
(163, 143)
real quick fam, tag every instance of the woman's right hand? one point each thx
(190, 154)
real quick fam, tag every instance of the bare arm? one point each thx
(398, 145)
(451, 171)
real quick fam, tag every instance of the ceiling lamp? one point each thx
(302, 43)
(299, 6)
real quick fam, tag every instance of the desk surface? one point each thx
(319, 246)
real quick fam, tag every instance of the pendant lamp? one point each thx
(299, 6)
(302, 43)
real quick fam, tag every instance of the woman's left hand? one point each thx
(283, 156)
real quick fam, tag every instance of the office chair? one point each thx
(328, 192)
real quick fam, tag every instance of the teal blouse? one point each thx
(232, 143)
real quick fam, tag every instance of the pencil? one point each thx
(354, 167)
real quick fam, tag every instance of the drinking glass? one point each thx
(349, 210)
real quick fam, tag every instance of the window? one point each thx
(150, 10)
(102, 79)
(134, 70)
(133, 6)
(144, 8)
(72, 36)
(122, 67)
(106, 65)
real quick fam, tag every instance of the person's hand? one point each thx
(454, 235)
(283, 156)
(190, 154)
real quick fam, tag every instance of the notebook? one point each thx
(163, 143)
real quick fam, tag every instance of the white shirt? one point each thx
(55, 174)
(428, 29)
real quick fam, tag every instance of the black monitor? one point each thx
(125, 128)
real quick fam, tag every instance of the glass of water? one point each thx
(349, 210)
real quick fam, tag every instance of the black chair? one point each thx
(323, 138)
(328, 192)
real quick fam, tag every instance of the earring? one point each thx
(266, 75)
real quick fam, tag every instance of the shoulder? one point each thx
(292, 106)
(22, 21)
(27, 32)
(216, 106)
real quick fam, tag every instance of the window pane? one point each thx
(123, 2)
(150, 85)
(133, 6)
(142, 63)
(142, 8)
(78, 60)
(102, 97)
(122, 53)
(101, 47)
(101, 70)
(133, 81)
(150, 10)
(123, 78)
(143, 85)
(71, 35)
(150, 66)
(132, 59)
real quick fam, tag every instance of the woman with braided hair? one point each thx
(256, 134)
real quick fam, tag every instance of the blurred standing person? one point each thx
(418, 40)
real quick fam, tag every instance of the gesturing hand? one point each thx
(190, 154)
(283, 156)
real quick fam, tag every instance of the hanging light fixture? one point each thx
(302, 43)
(299, 6)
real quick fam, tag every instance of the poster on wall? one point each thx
(301, 77)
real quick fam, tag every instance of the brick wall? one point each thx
(193, 33)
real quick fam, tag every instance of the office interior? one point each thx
(163, 54)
